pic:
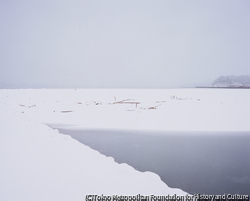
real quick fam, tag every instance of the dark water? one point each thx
(205, 163)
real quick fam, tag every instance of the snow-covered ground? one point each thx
(39, 164)
(170, 109)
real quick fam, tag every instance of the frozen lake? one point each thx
(196, 162)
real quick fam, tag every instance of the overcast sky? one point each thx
(122, 43)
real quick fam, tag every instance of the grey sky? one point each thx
(122, 43)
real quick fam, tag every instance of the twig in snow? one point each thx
(154, 107)
(122, 101)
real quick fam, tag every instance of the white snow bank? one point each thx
(39, 164)
(169, 109)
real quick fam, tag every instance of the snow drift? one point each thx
(39, 164)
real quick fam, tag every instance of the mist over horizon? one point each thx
(190, 85)
(122, 44)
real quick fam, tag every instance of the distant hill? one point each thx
(242, 81)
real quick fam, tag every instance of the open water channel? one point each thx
(197, 162)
